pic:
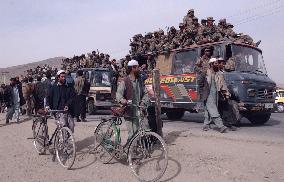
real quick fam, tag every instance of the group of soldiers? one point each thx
(90, 60)
(39, 71)
(101, 60)
(190, 32)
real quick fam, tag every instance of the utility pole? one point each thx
(157, 95)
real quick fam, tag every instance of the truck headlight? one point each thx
(246, 82)
(251, 92)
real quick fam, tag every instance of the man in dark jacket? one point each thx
(82, 88)
(14, 100)
(60, 97)
(39, 94)
(69, 81)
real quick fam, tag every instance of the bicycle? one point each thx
(141, 149)
(62, 139)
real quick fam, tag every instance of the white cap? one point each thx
(133, 63)
(59, 72)
(221, 59)
(212, 60)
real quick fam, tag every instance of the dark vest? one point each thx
(128, 94)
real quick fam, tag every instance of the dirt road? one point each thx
(249, 154)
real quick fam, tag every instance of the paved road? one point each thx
(249, 154)
(273, 129)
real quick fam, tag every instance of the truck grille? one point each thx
(103, 96)
(265, 94)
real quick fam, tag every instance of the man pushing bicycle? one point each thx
(132, 88)
(60, 97)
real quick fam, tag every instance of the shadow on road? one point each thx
(84, 153)
(246, 123)
(175, 167)
(171, 137)
(188, 117)
(85, 143)
(11, 123)
(101, 112)
(198, 118)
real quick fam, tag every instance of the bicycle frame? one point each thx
(44, 123)
(116, 121)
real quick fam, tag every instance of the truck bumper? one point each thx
(103, 104)
(255, 107)
(176, 105)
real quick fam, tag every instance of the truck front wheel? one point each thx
(175, 114)
(258, 119)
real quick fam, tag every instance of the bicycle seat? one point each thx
(117, 111)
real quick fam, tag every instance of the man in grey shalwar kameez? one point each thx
(211, 90)
(132, 88)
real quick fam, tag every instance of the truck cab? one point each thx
(99, 96)
(248, 82)
(279, 100)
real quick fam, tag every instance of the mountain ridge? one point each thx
(8, 72)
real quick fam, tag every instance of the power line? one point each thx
(259, 16)
(250, 10)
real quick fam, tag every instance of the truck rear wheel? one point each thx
(259, 119)
(91, 107)
(175, 114)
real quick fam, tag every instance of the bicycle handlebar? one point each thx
(129, 103)
(53, 111)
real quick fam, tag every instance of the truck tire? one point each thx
(175, 114)
(232, 114)
(91, 107)
(259, 119)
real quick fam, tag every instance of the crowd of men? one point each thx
(40, 71)
(90, 60)
(31, 97)
(36, 90)
(190, 32)
(100, 60)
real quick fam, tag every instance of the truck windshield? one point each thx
(184, 62)
(280, 94)
(100, 78)
(248, 60)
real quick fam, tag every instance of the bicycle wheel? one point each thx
(35, 125)
(40, 133)
(148, 157)
(104, 144)
(65, 148)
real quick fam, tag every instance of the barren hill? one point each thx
(20, 69)
(280, 85)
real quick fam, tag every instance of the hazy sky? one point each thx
(33, 30)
